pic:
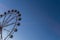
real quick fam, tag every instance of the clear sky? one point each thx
(40, 18)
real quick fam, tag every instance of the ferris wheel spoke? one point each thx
(9, 24)
(7, 30)
(7, 18)
(10, 19)
(3, 20)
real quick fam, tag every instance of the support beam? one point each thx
(0, 33)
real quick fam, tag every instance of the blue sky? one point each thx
(40, 18)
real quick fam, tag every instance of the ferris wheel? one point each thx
(9, 21)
